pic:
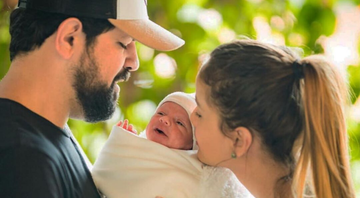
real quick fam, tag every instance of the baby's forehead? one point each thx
(173, 106)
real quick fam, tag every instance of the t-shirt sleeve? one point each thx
(28, 172)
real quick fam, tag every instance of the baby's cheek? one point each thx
(189, 142)
(149, 136)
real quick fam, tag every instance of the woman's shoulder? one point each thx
(221, 182)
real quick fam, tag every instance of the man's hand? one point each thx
(125, 125)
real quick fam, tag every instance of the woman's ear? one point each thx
(242, 141)
(68, 36)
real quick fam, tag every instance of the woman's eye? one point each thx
(122, 45)
(198, 115)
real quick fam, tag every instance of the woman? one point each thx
(276, 121)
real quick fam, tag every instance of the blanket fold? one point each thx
(134, 167)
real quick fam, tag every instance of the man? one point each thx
(67, 58)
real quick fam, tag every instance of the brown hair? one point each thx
(258, 86)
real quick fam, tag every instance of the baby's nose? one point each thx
(165, 120)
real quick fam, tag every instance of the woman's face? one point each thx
(214, 146)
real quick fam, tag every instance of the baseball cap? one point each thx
(128, 15)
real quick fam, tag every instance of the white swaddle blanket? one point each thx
(133, 167)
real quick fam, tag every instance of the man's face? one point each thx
(171, 127)
(98, 70)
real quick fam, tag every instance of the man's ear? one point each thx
(242, 141)
(68, 36)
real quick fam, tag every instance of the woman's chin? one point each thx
(200, 157)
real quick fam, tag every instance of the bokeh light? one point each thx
(165, 66)
(341, 47)
(355, 111)
(209, 19)
(264, 32)
(226, 35)
(277, 22)
(144, 80)
(145, 53)
(141, 112)
(189, 13)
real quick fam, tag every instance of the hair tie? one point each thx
(298, 69)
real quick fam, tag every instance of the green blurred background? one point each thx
(330, 27)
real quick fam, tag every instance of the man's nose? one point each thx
(132, 59)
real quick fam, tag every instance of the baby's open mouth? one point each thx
(160, 131)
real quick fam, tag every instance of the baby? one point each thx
(162, 161)
(170, 125)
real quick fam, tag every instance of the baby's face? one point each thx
(171, 127)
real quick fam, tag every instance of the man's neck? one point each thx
(37, 89)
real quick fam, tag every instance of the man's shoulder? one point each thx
(38, 158)
(15, 136)
(19, 127)
(14, 119)
(33, 172)
(16, 133)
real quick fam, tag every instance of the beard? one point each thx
(97, 99)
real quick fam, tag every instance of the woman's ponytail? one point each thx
(323, 156)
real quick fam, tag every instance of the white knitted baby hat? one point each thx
(186, 101)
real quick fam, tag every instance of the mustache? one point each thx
(123, 75)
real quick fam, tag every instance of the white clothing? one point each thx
(134, 167)
(218, 182)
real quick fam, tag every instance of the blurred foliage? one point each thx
(204, 24)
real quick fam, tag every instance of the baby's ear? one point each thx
(242, 141)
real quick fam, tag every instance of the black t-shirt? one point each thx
(38, 159)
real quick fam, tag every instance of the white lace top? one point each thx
(218, 182)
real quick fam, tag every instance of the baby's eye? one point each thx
(198, 115)
(160, 113)
(180, 123)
